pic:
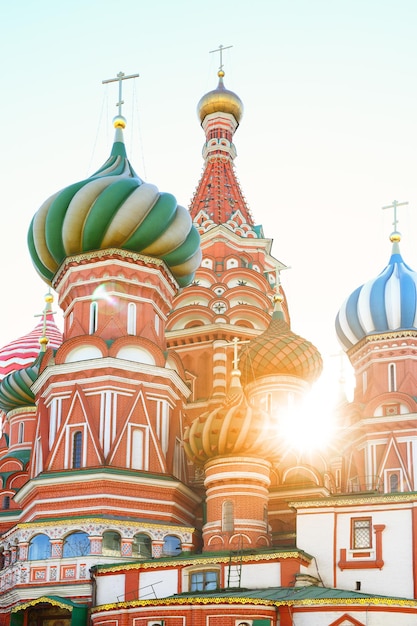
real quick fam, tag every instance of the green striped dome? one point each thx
(114, 208)
(15, 389)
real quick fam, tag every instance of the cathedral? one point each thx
(145, 476)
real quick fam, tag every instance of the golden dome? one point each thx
(220, 100)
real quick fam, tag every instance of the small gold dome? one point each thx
(395, 236)
(220, 100)
(119, 122)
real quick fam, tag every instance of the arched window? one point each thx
(393, 483)
(364, 381)
(157, 323)
(77, 449)
(93, 317)
(392, 377)
(111, 545)
(142, 546)
(6, 502)
(21, 433)
(39, 548)
(227, 516)
(76, 544)
(131, 318)
(172, 546)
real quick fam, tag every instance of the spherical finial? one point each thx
(220, 74)
(43, 341)
(119, 121)
(395, 237)
(49, 298)
(277, 297)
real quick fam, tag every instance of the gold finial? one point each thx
(220, 49)
(119, 78)
(43, 340)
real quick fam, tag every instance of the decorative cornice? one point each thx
(205, 560)
(104, 520)
(355, 500)
(63, 604)
(216, 600)
(396, 334)
(107, 254)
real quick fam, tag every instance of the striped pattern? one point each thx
(114, 208)
(22, 352)
(234, 428)
(384, 304)
(15, 389)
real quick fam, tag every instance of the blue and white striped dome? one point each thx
(384, 304)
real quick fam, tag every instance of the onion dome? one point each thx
(384, 304)
(15, 389)
(22, 352)
(220, 100)
(279, 351)
(114, 208)
(235, 428)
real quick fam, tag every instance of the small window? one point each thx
(21, 434)
(392, 378)
(93, 317)
(394, 483)
(227, 516)
(111, 543)
(142, 546)
(131, 318)
(361, 533)
(204, 581)
(6, 502)
(77, 446)
(172, 546)
(364, 381)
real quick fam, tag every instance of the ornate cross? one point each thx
(220, 49)
(120, 77)
(394, 206)
(235, 343)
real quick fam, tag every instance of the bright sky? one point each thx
(328, 137)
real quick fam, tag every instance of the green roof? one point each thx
(273, 596)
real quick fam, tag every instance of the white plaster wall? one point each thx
(110, 588)
(369, 618)
(260, 575)
(315, 532)
(396, 577)
(165, 583)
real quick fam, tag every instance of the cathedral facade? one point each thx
(145, 480)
